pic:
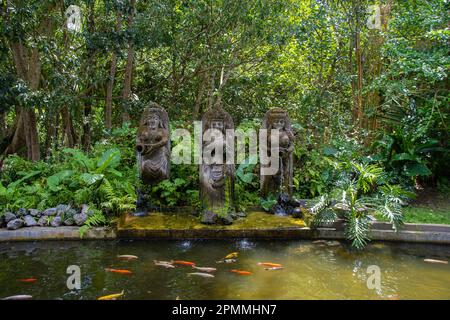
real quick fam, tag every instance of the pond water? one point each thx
(312, 270)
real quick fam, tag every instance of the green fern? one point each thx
(114, 202)
(97, 218)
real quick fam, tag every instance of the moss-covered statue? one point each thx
(280, 183)
(153, 153)
(216, 176)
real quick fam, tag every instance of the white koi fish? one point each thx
(201, 274)
(436, 261)
(19, 297)
(204, 269)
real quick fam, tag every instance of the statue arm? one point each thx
(148, 147)
(290, 149)
(161, 143)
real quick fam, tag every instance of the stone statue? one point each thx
(217, 178)
(153, 152)
(281, 182)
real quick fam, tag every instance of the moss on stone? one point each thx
(167, 221)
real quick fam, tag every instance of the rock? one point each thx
(50, 212)
(22, 212)
(289, 209)
(341, 208)
(227, 220)
(61, 209)
(34, 213)
(209, 217)
(2, 221)
(299, 203)
(15, 224)
(297, 213)
(278, 210)
(241, 214)
(9, 216)
(69, 222)
(56, 222)
(43, 221)
(284, 199)
(80, 218)
(70, 213)
(294, 203)
(84, 209)
(362, 209)
(68, 216)
(29, 221)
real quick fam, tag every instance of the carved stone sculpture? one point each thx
(153, 152)
(281, 182)
(217, 177)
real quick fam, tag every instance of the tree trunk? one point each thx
(86, 138)
(69, 137)
(110, 85)
(199, 98)
(50, 129)
(359, 111)
(353, 82)
(126, 91)
(28, 67)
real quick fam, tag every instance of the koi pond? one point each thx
(310, 270)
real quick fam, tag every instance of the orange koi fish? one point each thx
(120, 271)
(242, 273)
(269, 264)
(28, 280)
(183, 263)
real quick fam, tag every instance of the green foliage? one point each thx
(267, 203)
(95, 219)
(250, 56)
(247, 183)
(359, 191)
(407, 151)
(71, 177)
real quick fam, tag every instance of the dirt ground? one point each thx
(431, 198)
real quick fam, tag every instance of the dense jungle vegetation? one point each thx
(367, 90)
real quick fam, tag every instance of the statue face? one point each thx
(217, 124)
(278, 124)
(217, 172)
(153, 122)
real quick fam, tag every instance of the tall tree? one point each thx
(128, 77)
(111, 78)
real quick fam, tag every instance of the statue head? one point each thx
(154, 117)
(217, 118)
(217, 124)
(278, 124)
(153, 122)
(277, 118)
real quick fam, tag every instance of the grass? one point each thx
(430, 206)
(427, 215)
(423, 214)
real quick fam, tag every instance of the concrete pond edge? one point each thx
(417, 233)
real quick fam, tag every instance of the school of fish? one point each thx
(200, 272)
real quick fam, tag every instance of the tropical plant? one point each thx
(355, 198)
